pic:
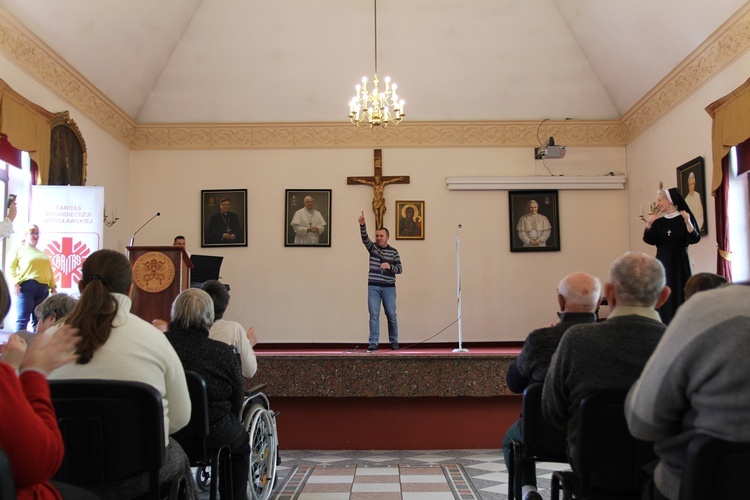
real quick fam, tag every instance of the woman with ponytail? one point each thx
(117, 345)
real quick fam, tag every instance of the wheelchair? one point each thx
(260, 423)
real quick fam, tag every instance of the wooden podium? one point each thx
(159, 275)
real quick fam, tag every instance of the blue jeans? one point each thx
(32, 294)
(386, 295)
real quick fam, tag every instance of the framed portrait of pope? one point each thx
(307, 218)
(534, 221)
(691, 182)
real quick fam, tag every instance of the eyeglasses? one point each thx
(34, 233)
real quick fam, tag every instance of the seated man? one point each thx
(696, 382)
(231, 332)
(610, 355)
(578, 295)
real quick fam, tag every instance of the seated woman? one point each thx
(52, 309)
(216, 362)
(231, 332)
(701, 282)
(117, 345)
(28, 430)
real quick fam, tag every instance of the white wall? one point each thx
(293, 294)
(680, 136)
(318, 294)
(108, 159)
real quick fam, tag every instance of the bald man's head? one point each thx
(579, 292)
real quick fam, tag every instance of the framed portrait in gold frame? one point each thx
(67, 163)
(410, 220)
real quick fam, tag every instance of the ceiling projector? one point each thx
(549, 151)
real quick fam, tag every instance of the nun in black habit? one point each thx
(671, 231)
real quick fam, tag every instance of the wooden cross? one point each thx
(378, 183)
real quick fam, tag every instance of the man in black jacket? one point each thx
(579, 295)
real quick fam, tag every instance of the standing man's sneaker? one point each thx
(372, 348)
(394, 347)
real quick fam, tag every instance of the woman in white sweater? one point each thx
(118, 345)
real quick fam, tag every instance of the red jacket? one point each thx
(29, 433)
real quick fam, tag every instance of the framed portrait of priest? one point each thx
(307, 218)
(691, 182)
(534, 221)
(224, 218)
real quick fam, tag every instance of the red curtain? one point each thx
(721, 202)
(8, 153)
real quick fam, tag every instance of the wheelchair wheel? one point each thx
(261, 428)
(203, 478)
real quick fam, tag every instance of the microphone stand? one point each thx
(458, 289)
(132, 238)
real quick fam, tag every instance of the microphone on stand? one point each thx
(132, 238)
(458, 292)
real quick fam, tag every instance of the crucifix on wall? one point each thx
(378, 183)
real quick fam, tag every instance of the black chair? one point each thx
(609, 460)
(715, 469)
(193, 436)
(113, 430)
(7, 483)
(542, 441)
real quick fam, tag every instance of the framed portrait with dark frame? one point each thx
(534, 221)
(410, 220)
(691, 182)
(224, 218)
(67, 161)
(307, 218)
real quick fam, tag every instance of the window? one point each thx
(739, 220)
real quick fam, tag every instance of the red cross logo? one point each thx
(67, 258)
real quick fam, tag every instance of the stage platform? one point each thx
(334, 397)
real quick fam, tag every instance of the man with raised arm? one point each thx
(385, 264)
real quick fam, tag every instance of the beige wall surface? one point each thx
(293, 294)
(319, 294)
(678, 137)
(108, 159)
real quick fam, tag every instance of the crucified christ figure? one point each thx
(378, 202)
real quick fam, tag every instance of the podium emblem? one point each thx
(153, 272)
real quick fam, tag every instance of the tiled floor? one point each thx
(485, 468)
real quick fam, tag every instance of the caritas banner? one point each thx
(71, 225)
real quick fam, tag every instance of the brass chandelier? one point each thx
(375, 108)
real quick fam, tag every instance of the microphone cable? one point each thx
(357, 348)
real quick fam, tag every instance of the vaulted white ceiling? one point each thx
(251, 61)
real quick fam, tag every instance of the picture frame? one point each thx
(68, 156)
(540, 233)
(691, 183)
(307, 226)
(224, 218)
(410, 222)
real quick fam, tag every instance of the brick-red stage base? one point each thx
(411, 399)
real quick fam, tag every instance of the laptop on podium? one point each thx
(205, 267)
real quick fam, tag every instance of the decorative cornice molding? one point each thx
(29, 52)
(338, 135)
(44, 64)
